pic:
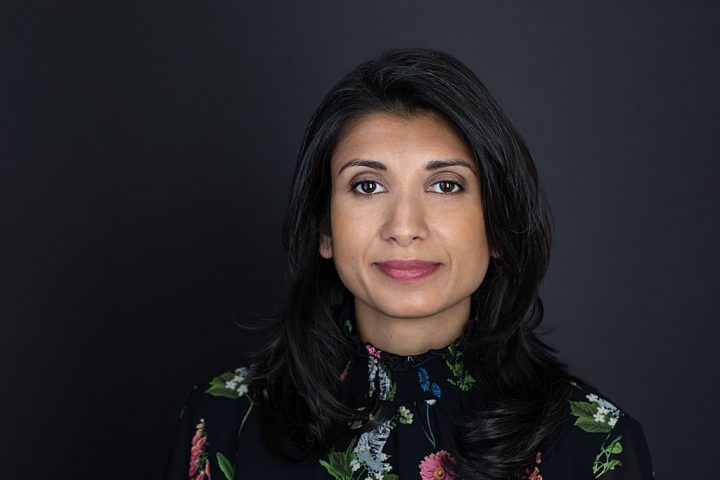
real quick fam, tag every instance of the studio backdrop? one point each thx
(146, 154)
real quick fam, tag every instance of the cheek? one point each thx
(351, 232)
(459, 222)
(465, 234)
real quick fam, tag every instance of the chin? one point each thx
(409, 308)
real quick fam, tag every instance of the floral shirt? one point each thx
(219, 435)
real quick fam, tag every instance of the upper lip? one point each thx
(406, 264)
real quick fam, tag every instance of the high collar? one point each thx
(395, 362)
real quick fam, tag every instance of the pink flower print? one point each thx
(199, 444)
(344, 373)
(534, 472)
(373, 351)
(198, 458)
(432, 466)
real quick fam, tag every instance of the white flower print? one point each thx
(595, 415)
(604, 407)
(377, 369)
(237, 382)
(368, 452)
(231, 384)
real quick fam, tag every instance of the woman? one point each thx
(418, 237)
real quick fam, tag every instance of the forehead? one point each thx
(384, 136)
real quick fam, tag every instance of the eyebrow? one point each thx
(432, 165)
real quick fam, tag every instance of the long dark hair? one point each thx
(297, 368)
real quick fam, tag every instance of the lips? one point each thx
(407, 270)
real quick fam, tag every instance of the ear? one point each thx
(326, 246)
(325, 230)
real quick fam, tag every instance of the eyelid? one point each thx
(459, 184)
(356, 182)
(456, 179)
(442, 177)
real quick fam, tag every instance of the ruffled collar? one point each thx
(396, 362)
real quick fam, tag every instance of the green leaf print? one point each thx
(338, 464)
(226, 467)
(585, 412)
(461, 378)
(603, 462)
(596, 415)
(404, 415)
(392, 391)
(230, 384)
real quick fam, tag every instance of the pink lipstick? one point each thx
(407, 270)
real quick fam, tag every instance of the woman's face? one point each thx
(406, 189)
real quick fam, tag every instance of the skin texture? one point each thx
(413, 213)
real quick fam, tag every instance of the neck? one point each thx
(411, 336)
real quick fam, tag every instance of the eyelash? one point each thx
(355, 185)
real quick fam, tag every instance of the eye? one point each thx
(447, 186)
(368, 187)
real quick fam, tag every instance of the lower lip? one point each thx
(410, 275)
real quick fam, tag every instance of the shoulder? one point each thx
(592, 410)
(599, 436)
(216, 410)
(210, 419)
(220, 395)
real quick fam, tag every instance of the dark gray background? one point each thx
(146, 151)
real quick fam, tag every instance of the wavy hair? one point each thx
(298, 364)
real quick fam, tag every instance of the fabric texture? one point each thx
(219, 435)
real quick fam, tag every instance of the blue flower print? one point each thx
(425, 385)
(436, 390)
(424, 379)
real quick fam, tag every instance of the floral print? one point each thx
(405, 416)
(603, 462)
(460, 376)
(368, 454)
(378, 371)
(427, 391)
(596, 414)
(599, 415)
(233, 385)
(366, 460)
(425, 384)
(338, 464)
(367, 457)
(199, 463)
(432, 467)
(533, 473)
(230, 384)
(373, 351)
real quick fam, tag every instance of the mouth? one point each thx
(407, 270)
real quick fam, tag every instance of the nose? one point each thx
(405, 220)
